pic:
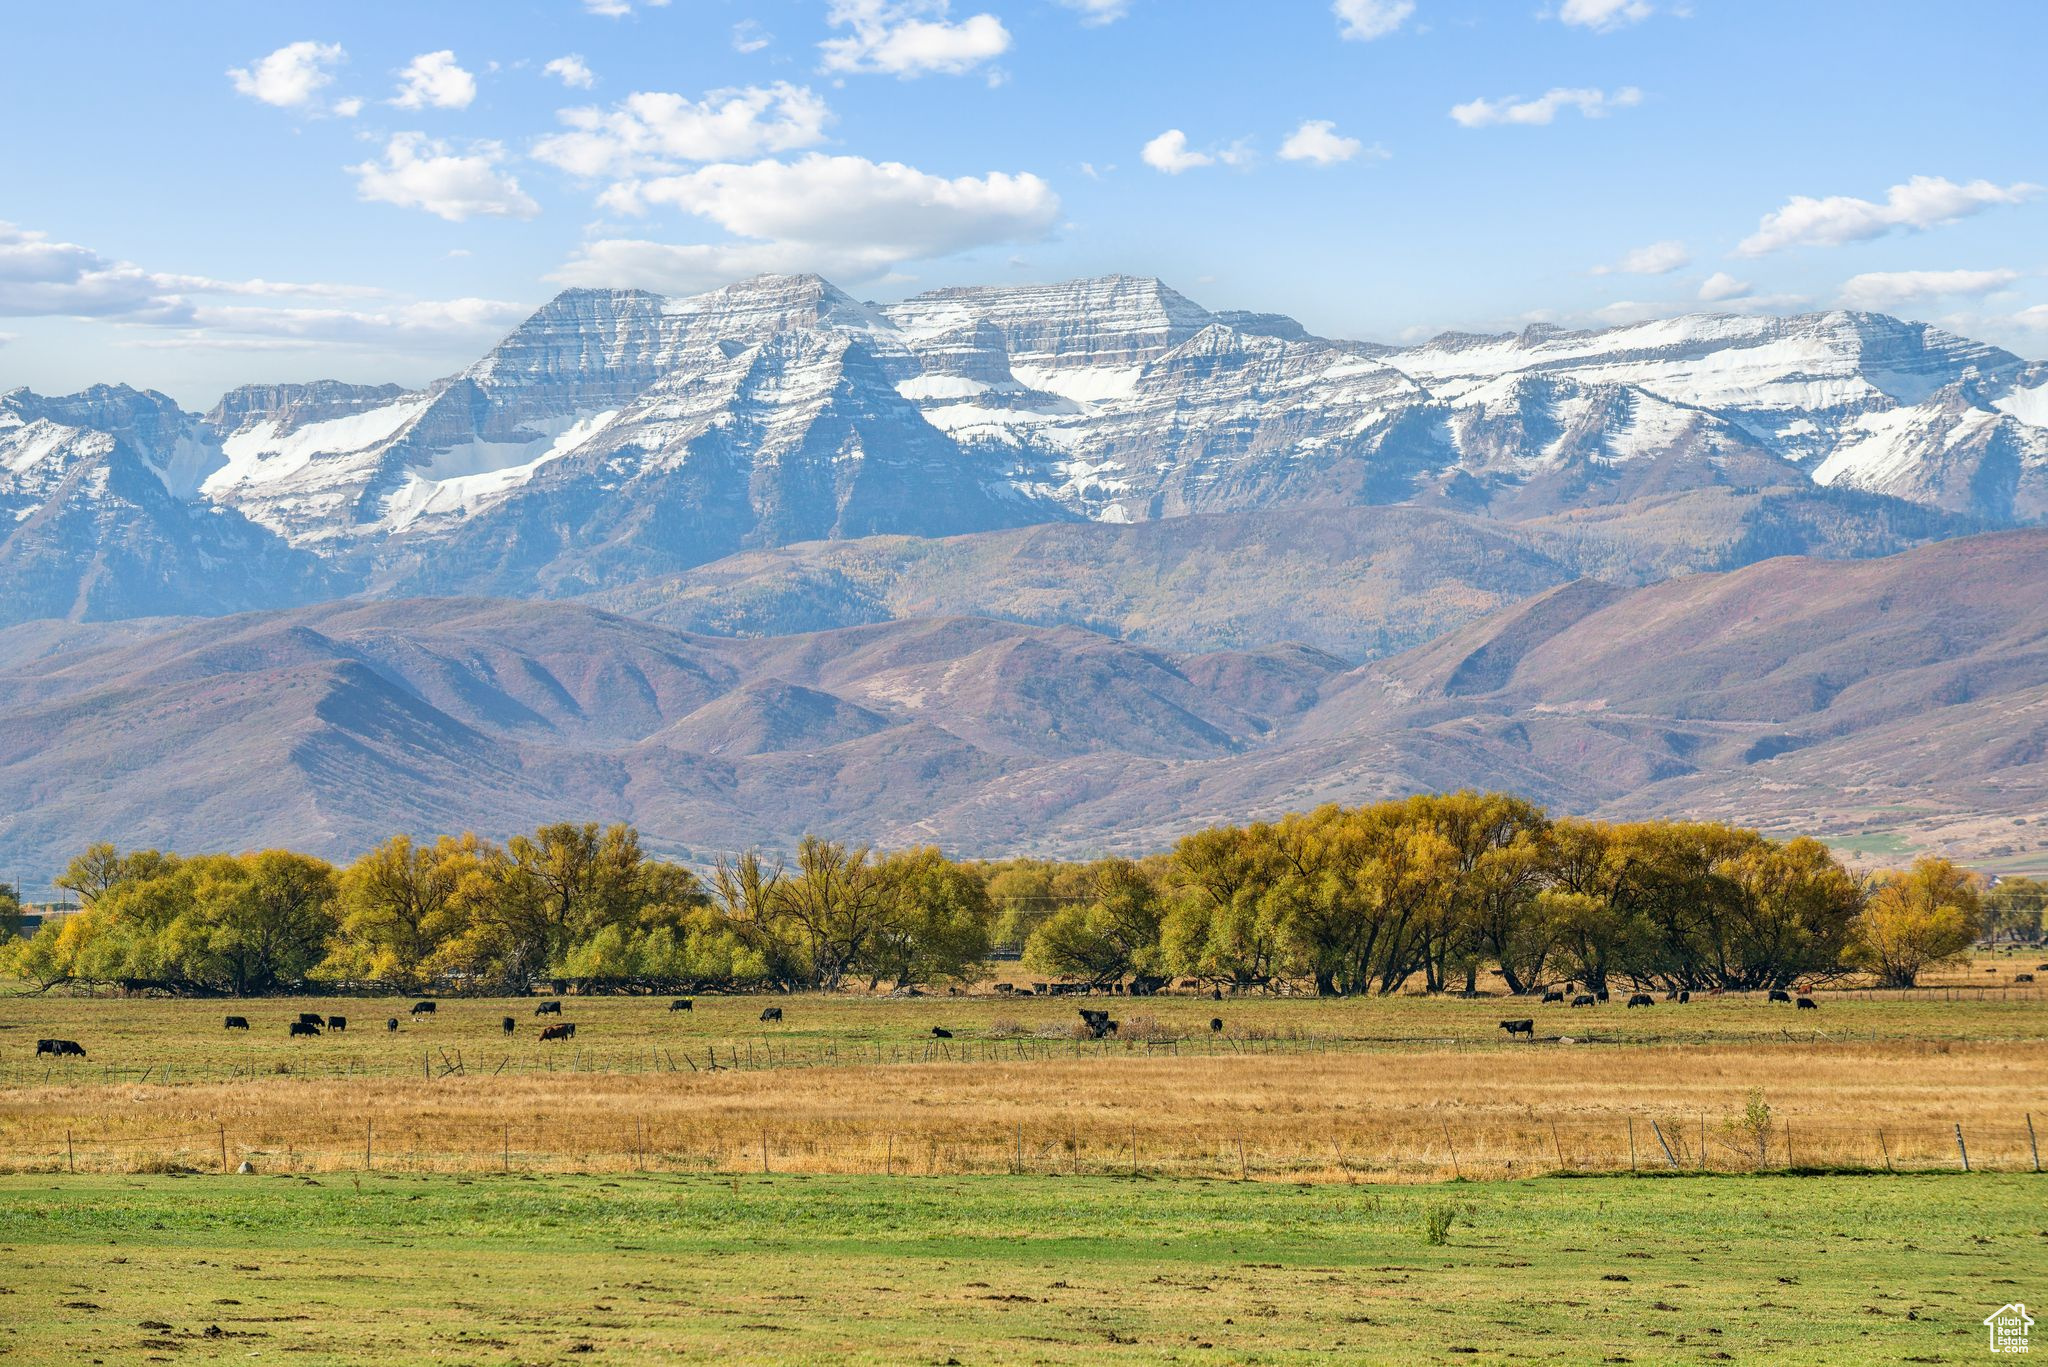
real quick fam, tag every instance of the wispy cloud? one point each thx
(1098, 12)
(1512, 109)
(571, 70)
(654, 131)
(1922, 202)
(1659, 258)
(1362, 21)
(1895, 289)
(1604, 16)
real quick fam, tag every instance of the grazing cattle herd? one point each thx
(1096, 1023)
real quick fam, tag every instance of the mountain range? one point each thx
(1061, 568)
(619, 436)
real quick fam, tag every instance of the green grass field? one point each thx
(633, 1270)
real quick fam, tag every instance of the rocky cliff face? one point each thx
(618, 433)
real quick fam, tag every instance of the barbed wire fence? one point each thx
(1420, 1148)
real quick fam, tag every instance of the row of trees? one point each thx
(569, 901)
(1440, 888)
(1431, 890)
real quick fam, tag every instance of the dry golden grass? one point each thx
(1413, 1114)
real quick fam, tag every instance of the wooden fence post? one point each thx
(369, 1130)
(1659, 1129)
(223, 1148)
(70, 1157)
(1631, 1143)
(1456, 1171)
(2031, 1142)
(1962, 1149)
(1884, 1148)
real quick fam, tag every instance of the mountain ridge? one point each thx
(617, 434)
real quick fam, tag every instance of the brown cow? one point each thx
(566, 1030)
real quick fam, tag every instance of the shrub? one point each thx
(1437, 1224)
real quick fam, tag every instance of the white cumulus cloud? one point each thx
(1659, 258)
(419, 172)
(906, 38)
(1483, 113)
(435, 80)
(1169, 152)
(1318, 140)
(1893, 289)
(291, 76)
(653, 131)
(1604, 16)
(1922, 202)
(1721, 286)
(571, 71)
(1364, 20)
(842, 216)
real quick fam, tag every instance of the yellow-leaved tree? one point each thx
(1922, 918)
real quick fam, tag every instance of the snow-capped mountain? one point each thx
(620, 434)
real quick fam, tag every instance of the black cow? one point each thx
(1216, 1025)
(1583, 999)
(773, 1013)
(306, 1028)
(337, 1022)
(1549, 997)
(1098, 1022)
(1684, 996)
(508, 1025)
(59, 1047)
(1601, 994)
(1642, 999)
(1808, 1004)
(941, 1032)
(236, 1023)
(1778, 994)
(1520, 1027)
(566, 1030)
(391, 1024)
(2023, 977)
(548, 1009)
(423, 1008)
(311, 1018)
(682, 1004)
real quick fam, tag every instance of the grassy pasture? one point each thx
(643, 1269)
(1407, 1088)
(640, 1033)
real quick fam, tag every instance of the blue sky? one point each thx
(198, 196)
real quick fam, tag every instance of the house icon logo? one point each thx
(2008, 1325)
